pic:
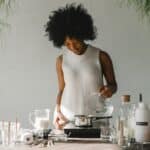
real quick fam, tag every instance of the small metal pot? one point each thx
(83, 121)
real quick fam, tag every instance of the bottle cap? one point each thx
(125, 98)
(140, 97)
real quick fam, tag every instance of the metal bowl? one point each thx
(83, 121)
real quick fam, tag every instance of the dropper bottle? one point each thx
(142, 127)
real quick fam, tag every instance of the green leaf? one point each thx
(141, 6)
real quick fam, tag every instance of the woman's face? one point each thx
(74, 45)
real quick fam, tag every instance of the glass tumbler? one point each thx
(9, 132)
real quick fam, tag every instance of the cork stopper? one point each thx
(125, 98)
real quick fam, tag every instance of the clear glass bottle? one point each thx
(131, 121)
(124, 112)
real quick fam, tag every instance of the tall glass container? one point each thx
(123, 134)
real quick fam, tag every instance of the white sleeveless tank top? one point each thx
(83, 77)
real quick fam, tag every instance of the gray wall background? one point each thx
(28, 79)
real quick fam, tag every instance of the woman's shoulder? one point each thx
(102, 53)
(104, 56)
(59, 59)
(95, 48)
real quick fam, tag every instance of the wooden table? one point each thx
(66, 146)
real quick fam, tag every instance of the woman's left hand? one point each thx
(105, 92)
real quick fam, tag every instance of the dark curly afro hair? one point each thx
(72, 21)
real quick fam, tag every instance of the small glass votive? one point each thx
(109, 134)
(105, 133)
(9, 132)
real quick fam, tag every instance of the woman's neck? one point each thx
(83, 48)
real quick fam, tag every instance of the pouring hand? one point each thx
(60, 120)
(105, 92)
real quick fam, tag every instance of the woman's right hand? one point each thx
(60, 120)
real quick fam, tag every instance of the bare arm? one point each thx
(59, 120)
(108, 72)
(61, 83)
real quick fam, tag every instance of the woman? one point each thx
(81, 67)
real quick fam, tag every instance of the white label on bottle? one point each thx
(142, 123)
